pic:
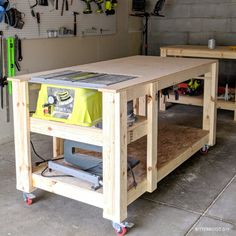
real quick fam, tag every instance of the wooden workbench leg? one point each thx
(115, 156)
(22, 136)
(210, 103)
(152, 117)
(162, 100)
(58, 147)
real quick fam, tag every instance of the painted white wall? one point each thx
(44, 54)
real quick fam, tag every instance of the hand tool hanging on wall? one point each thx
(18, 52)
(3, 79)
(158, 7)
(4, 5)
(43, 2)
(88, 9)
(99, 5)
(14, 18)
(65, 5)
(56, 6)
(75, 22)
(38, 22)
(32, 8)
(110, 6)
(10, 60)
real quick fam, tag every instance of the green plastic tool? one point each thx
(10, 60)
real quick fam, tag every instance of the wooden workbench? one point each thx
(220, 52)
(156, 146)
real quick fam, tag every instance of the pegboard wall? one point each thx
(51, 19)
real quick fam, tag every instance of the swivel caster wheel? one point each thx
(121, 229)
(204, 150)
(28, 198)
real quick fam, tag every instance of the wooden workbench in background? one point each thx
(220, 52)
(119, 141)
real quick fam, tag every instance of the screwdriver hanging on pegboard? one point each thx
(38, 22)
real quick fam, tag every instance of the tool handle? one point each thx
(62, 8)
(20, 57)
(38, 17)
(75, 29)
(2, 97)
(67, 5)
(56, 7)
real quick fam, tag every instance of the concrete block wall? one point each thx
(194, 22)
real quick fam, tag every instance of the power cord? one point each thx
(52, 176)
(43, 160)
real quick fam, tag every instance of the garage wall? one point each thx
(47, 54)
(194, 22)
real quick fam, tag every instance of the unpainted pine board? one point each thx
(22, 136)
(58, 147)
(61, 130)
(210, 103)
(220, 52)
(146, 68)
(152, 132)
(115, 156)
(68, 187)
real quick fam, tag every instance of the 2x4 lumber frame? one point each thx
(152, 131)
(22, 136)
(210, 101)
(65, 131)
(115, 156)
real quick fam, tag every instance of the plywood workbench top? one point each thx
(146, 68)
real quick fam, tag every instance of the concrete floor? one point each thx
(199, 198)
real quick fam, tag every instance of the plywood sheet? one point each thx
(147, 69)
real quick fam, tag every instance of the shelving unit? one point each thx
(159, 147)
(196, 51)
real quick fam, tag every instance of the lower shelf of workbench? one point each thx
(175, 145)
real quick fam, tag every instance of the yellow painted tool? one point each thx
(77, 106)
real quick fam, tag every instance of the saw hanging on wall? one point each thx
(3, 79)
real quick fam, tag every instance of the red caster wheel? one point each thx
(29, 201)
(28, 198)
(121, 228)
(122, 231)
(204, 150)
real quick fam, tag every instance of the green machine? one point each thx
(10, 60)
(72, 97)
(77, 106)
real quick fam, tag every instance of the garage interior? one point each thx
(198, 196)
